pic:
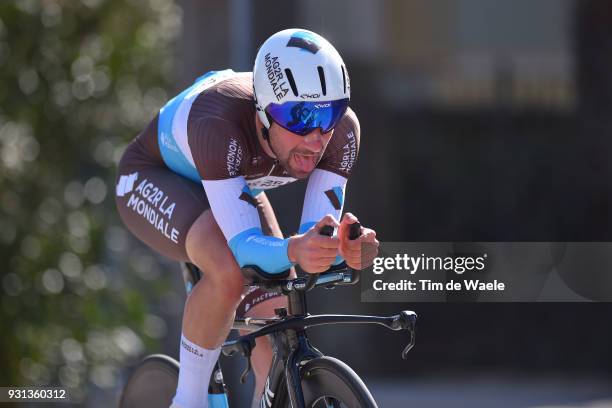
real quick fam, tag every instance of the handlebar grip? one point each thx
(354, 231)
(327, 230)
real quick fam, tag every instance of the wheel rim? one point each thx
(328, 402)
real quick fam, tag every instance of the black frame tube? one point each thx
(306, 321)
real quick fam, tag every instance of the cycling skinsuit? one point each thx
(206, 136)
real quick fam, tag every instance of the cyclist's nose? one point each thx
(314, 140)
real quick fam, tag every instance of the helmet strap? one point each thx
(265, 133)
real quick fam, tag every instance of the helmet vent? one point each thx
(322, 79)
(291, 81)
(343, 78)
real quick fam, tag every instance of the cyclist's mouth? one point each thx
(304, 163)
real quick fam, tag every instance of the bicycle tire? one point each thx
(331, 380)
(152, 384)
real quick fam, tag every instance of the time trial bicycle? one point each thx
(300, 375)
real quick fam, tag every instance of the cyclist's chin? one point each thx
(298, 174)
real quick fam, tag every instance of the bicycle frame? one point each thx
(291, 346)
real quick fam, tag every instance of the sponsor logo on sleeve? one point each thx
(349, 153)
(168, 142)
(336, 197)
(234, 157)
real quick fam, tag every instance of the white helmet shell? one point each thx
(297, 65)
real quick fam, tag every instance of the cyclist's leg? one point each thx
(189, 232)
(216, 296)
(207, 248)
(164, 210)
(261, 358)
(262, 304)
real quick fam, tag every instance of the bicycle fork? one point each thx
(302, 351)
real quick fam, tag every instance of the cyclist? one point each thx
(239, 134)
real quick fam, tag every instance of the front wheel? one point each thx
(152, 384)
(328, 382)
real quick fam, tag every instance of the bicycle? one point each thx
(300, 375)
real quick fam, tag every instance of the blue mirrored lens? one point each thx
(303, 117)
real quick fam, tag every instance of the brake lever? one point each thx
(406, 320)
(409, 346)
(245, 372)
(244, 347)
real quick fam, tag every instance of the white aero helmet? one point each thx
(300, 82)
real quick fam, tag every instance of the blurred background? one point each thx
(482, 120)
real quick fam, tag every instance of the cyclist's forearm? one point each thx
(324, 195)
(252, 247)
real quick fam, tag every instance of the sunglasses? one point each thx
(303, 117)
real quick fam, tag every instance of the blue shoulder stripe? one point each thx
(168, 147)
(170, 152)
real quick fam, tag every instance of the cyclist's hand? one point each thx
(358, 253)
(312, 251)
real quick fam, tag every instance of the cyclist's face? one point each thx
(299, 155)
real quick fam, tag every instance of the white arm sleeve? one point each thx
(324, 195)
(235, 210)
(229, 202)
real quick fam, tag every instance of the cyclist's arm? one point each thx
(324, 195)
(327, 184)
(218, 155)
(235, 210)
